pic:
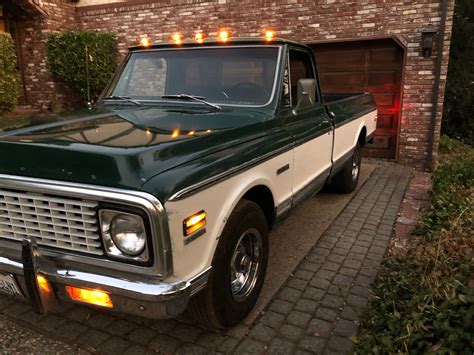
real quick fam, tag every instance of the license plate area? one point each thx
(9, 286)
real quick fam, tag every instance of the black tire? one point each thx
(346, 180)
(217, 306)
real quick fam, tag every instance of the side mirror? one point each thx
(306, 94)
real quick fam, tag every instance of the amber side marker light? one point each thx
(194, 223)
(95, 297)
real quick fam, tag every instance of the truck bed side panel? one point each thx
(352, 114)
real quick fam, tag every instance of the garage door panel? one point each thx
(384, 99)
(384, 57)
(385, 121)
(335, 60)
(374, 66)
(342, 82)
(385, 80)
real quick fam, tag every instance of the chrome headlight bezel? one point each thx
(116, 252)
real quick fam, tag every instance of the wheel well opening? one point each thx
(362, 137)
(263, 197)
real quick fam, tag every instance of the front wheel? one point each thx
(346, 180)
(238, 269)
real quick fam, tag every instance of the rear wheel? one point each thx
(346, 180)
(238, 269)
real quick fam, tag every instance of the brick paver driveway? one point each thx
(316, 311)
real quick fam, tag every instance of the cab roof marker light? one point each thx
(177, 38)
(146, 42)
(269, 35)
(224, 36)
(199, 37)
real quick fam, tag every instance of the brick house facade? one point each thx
(341, 22)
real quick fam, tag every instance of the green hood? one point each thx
(127, 147)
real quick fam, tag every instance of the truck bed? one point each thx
(330, 98)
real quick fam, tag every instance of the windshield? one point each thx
(242, 76)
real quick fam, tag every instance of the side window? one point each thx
(300, 68)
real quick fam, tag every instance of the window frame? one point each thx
(312, 67)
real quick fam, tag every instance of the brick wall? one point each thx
(303, 20)
(42, 89)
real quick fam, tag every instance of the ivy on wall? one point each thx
(84, 60)
(9, 76)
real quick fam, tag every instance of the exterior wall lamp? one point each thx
(427, 40)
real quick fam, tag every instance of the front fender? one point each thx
(219, 200)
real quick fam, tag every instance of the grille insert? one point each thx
(56, 222)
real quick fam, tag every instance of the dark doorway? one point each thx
(367, 66)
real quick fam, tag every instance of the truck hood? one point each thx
(123, 147)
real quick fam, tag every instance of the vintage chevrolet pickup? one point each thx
(161, 198)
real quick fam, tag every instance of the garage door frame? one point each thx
(403, 46)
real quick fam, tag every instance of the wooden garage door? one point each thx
(367, 66)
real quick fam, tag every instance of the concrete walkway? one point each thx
(316, 311)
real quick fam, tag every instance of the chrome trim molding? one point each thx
(188, 191)
(275, 82)
(142, 200)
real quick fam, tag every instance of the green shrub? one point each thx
(458, 114)
(68, 60)
(9, 77)
(422, 302)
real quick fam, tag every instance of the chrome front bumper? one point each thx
(149, 297)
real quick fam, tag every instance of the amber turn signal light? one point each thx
(194, 223)
(94, 297)
(43, 283)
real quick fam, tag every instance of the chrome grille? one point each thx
(57, 222)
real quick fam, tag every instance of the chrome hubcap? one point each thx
(355, 166)
(245, 264)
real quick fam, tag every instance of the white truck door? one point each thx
(310, 128)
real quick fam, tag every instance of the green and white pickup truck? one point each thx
(162, 196)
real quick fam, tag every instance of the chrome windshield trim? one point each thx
(154, 209)
(222, 104)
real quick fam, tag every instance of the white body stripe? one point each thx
(346, 135)
(311, 159)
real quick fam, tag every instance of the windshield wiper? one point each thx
(191, 97)
(123, 98)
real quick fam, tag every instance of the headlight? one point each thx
(124, 235)
(128, 234)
